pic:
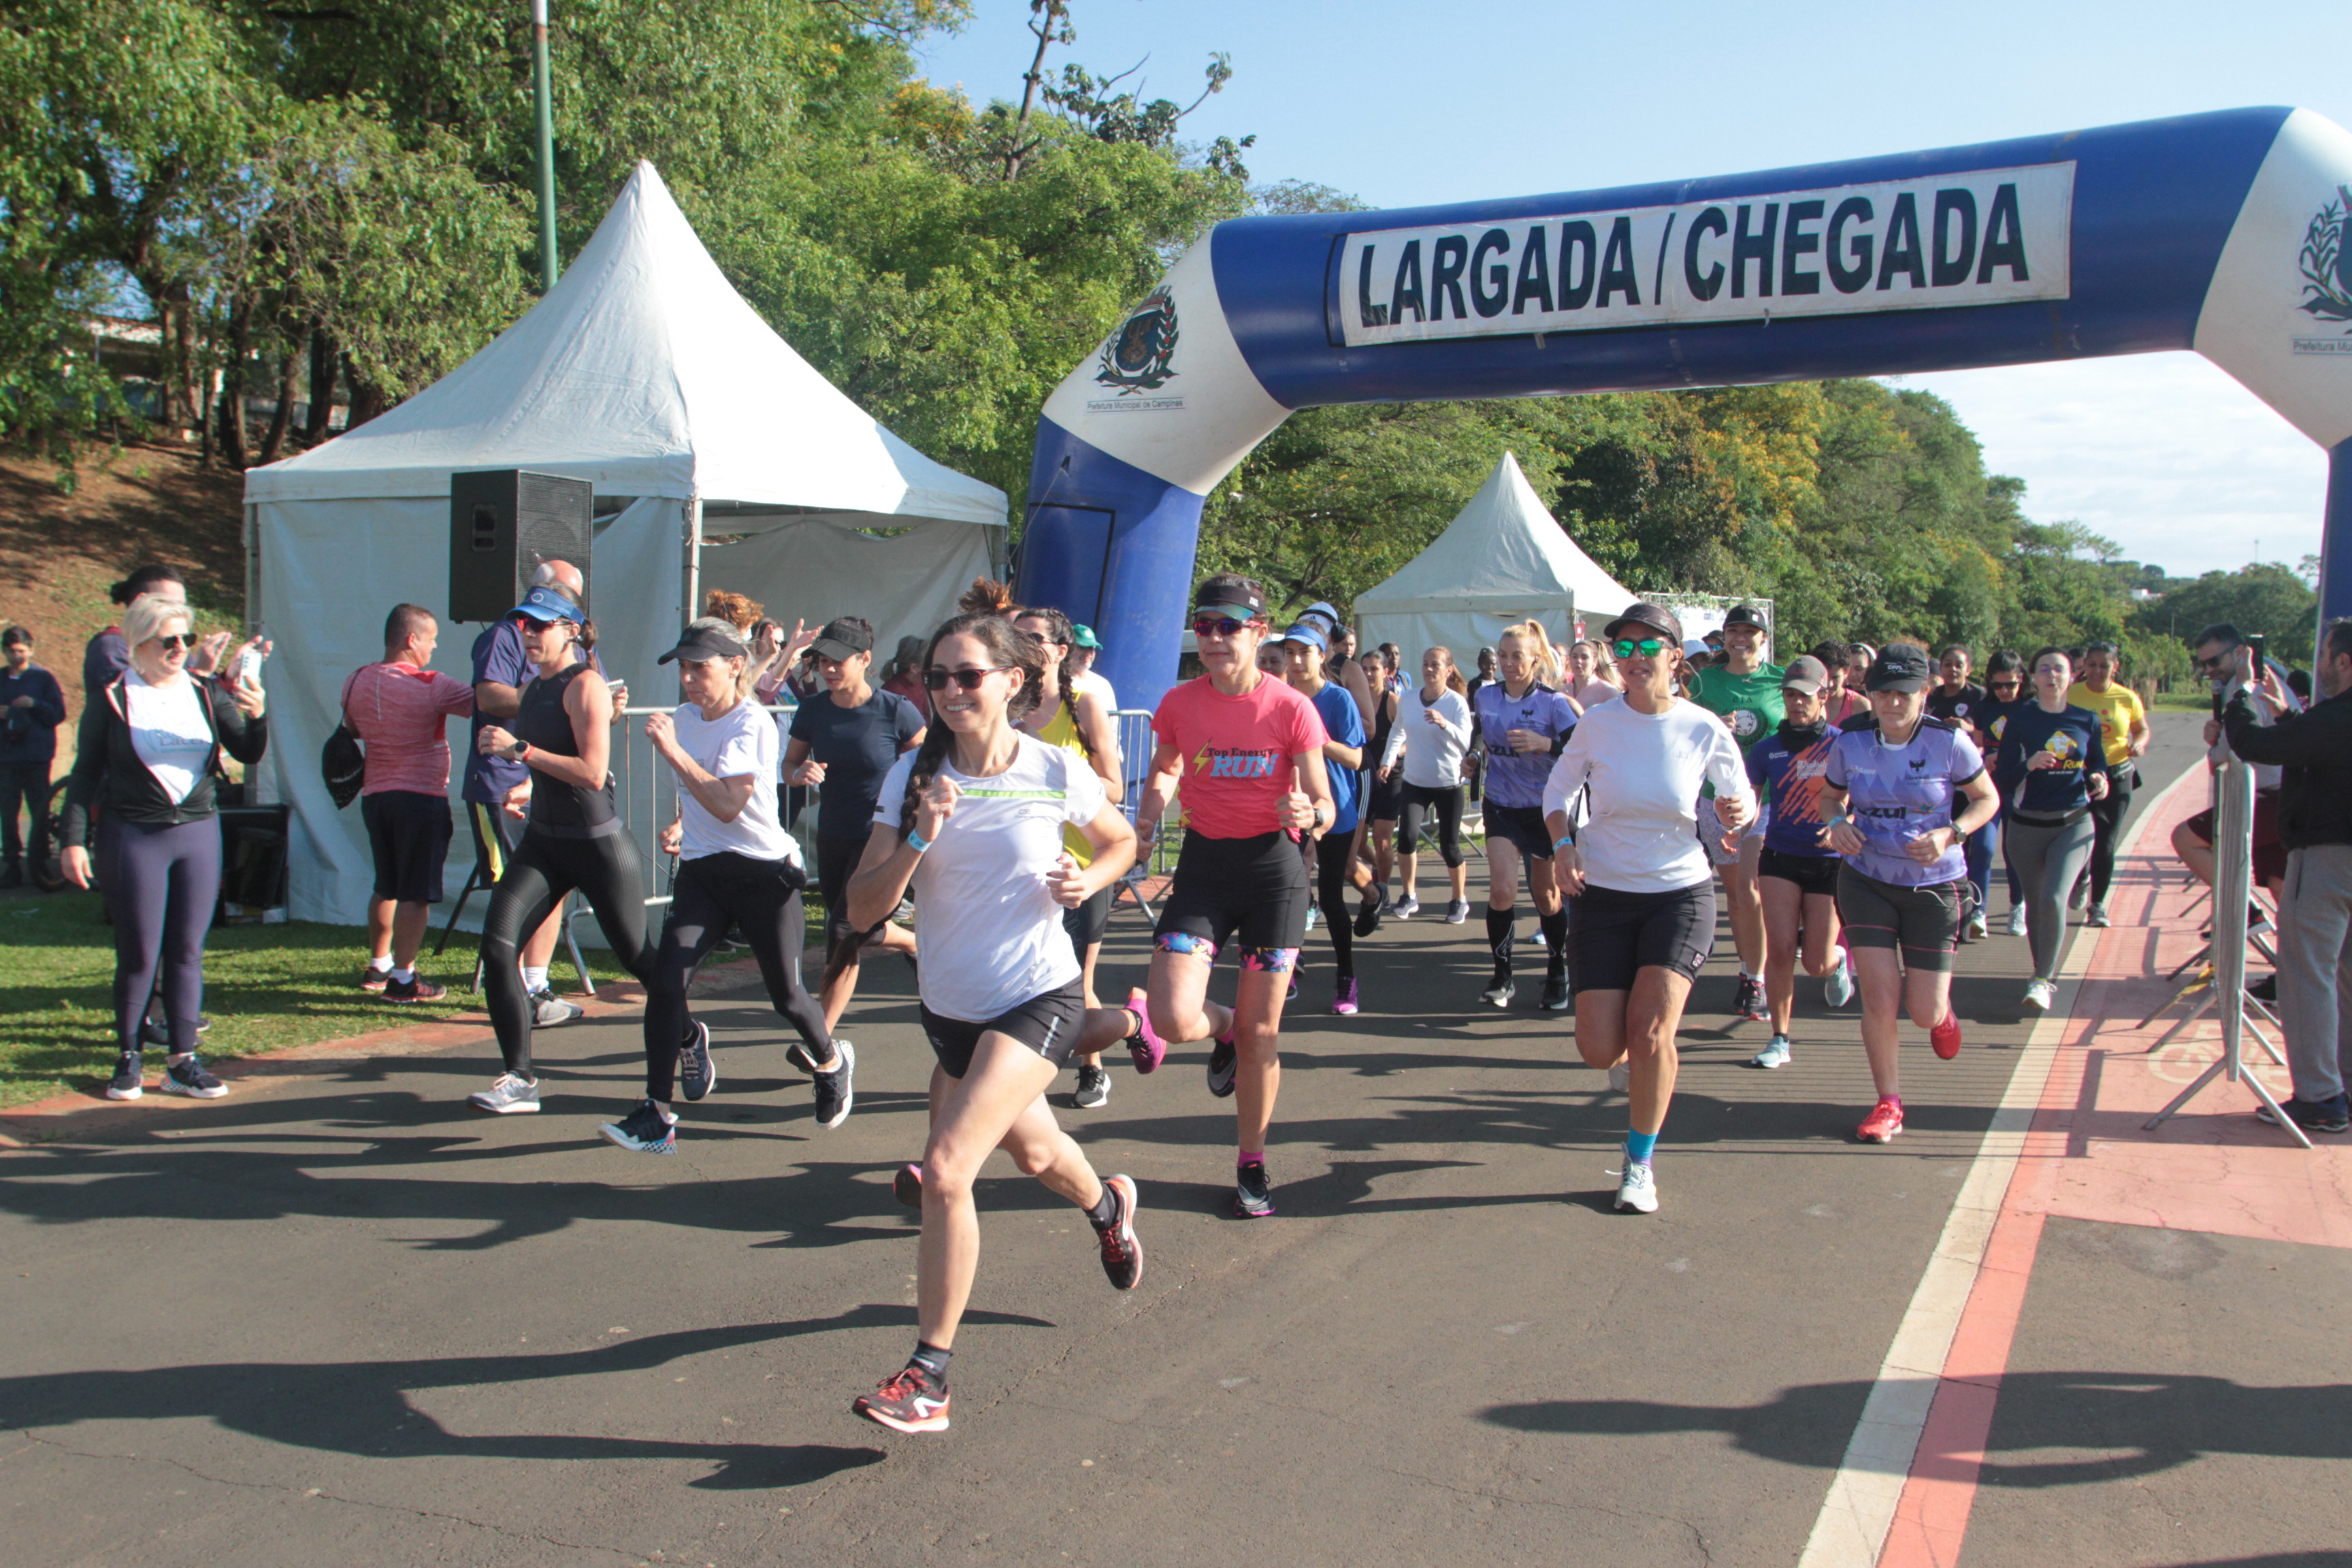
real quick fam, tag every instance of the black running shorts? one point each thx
(1813, 873)
(1048, 1024)
(1254, 887)
(1522, 825)
(837, 862)
(1613, 935)
(410, 833)
(1089, 920)
(1923, 923)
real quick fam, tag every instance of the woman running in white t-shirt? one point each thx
(973, 821)
(1427, 744)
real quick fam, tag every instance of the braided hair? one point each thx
(1007, 645)
(1058, 630)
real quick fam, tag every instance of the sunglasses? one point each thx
(937, 679)
(177, 642)
(1648, 647)
(1217, 626)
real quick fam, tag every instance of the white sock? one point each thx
(534, 979)
(382, 964)
(404, 976)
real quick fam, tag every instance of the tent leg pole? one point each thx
(693, 557)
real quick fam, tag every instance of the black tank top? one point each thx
(559, 809)
(1383, 722)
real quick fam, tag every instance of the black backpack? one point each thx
(342, 760)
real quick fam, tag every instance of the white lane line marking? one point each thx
(1851, 1530)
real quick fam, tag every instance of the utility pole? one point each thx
(543, 96)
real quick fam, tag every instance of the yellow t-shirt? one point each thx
(1062, 730)
(2116, 707)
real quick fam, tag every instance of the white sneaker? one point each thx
(1977, 929)
(2096, 917)
(1637, 1189)
(1838, 989)
(1620, 1076)
(1774, 1054)
(550, 1010)
(2017, 920)
(510, 1095)
(2040, 994)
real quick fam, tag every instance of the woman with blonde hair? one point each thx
(1525, 723)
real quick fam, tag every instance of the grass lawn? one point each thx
(266, 988)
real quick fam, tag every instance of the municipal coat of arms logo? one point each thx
(1136, 357)
(2325, 261)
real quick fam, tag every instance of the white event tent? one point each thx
(1502, 559)
(643, 372)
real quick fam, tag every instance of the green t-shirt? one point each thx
(1752, 701)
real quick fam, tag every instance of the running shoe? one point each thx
(906, 1185)
(130, 1081)
(2077, 893)
(1343, 1000)
(2041, 996)
(697, 1075)
(1499, 990)
(373, 979)
(836, 1091)
(2264, 990)
(510, 1094)
(1122, 1253)
(1838, 989)
(1224, 1060)
(1456, 911)
(1291, 994)
(156, 1031)
(1776, 1054)
(2097, 918)
(186, 1075)
(1976, 930)
(2312, 1116)
(1555, 992)
(1620, 1076)
(1637, 1188)
(800, 1057)
(1749, 1005)
(418, 989)
(1368, 917)
(1945, 1036)
(1313, 913)
(2017, 920)
(549, 1010)
(1094, 1088)
(645, 1131)
(1147, 1047)
(1404, 909)
(908, 1401)
(1252, 1193)
(1885, 1121)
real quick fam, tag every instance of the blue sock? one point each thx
(1640, 1146)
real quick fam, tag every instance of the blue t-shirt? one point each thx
(1896, 793)
(2074, 734)
(858, 746)
(1343, 722)
(1788, 769)
(1514, 780)
(499, 657)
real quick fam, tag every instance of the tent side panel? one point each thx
(816, 570)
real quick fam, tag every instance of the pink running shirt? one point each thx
(400, 712)
(1237, 752)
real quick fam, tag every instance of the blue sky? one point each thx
(1401, 104)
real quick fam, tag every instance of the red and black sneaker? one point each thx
(906, 1185)
(1122, 1253)
(908, 1401)
(372, 979)
(1750, 1007)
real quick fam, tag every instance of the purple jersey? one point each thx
(1896, 793)
(1513, 779)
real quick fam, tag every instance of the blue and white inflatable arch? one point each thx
(2225, 233)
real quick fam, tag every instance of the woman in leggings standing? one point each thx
(1247, 751)
(2057, 754)
(1336, 867)
(573, 842)
(738, 869)
(1383, 792)
(972, 821)
(2126, 718)
(1899, 801)
(149, 742)
(1641, 892)
(1431, 737)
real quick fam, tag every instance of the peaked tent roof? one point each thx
(1502, 546)
(643, 372)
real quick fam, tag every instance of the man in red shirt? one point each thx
(400, 710)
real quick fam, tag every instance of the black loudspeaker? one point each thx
(502, 524)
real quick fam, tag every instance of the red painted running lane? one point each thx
(2213, 1168)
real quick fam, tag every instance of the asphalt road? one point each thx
(339, 1318)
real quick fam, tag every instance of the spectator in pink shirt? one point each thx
(400, 710)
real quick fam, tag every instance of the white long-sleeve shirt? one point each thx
(1642, 774)
(1433, 753)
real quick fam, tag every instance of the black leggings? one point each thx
(539, 874)
(762, 898)
(1420, 799)
(1333, 853)
(161, 884)
(2107, 827)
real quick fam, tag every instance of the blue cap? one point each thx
(547, 605)
(1303, 633)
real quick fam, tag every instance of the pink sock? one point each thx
(1250, 1157)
